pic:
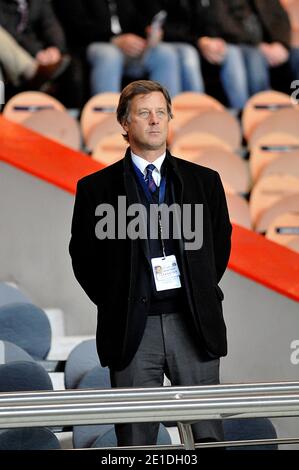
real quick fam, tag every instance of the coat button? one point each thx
(143, 300)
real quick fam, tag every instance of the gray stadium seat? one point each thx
(82, 358)
(250, 428)
(10, 294)
(108, 437)
(9, 352)
(28, 439)
(27, 326)
(24, 376)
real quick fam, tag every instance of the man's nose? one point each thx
(154, 119)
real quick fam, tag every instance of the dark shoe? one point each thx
(48, 73)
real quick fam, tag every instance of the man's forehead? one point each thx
(153, 99)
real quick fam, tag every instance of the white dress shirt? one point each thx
(141, 163)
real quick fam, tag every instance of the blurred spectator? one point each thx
(177, 31)
(21, 68)
(292, 8)
(114, 34)
(245, 38)
(35, 27)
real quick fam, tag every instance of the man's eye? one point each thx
(161, 113)
(144, 114)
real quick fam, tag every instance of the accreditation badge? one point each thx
(166, 273)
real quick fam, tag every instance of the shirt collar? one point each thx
(141, 163)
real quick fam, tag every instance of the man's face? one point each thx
(147, 124)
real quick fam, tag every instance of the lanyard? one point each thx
(162, 190)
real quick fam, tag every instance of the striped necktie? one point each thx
(149, 178)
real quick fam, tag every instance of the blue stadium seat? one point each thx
(28, 439)
(10, 294)
(24, 376)
(9, 352)
(250, 428)
(108, 437)
(27, 326)
(82, 359)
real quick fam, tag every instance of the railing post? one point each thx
(186, 436)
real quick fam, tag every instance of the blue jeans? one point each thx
(108, 64)
(190, 68)
(243, 73)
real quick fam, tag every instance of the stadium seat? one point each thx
(27, 326)
(82, 359)
(56, 125)
(22, 105)
(231, 167)
(28, 439)
(268, 191)
(102, 129)
(96, 110)
(110, 149)
(10, 294)
(238, 209)
(189, 104)
(188, 146)
(20, 373)
(284, 229)
(9, 352)
(286, 204)
(287, 163)
(249, 429)
(270, 147)
(21, 376)
(219, 123)
(260, 106)
(284, 121)
(108, 437)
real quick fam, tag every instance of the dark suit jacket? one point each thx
(43, 29)
(177, 26)
(109, 270)
(219, 19)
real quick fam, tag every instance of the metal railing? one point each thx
(185, 405)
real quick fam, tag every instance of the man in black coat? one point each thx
(246, 38)
(155, 282)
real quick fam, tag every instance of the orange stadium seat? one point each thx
(260, 106)
(238, 209)
(110, 149)
(269, 148)
(286, 204)
(56, 125)
(284, 229)
(188, 146)
(268, 191)
(188, 104)
(97, 109)
(22, 105)
(232, 169)
(220, 123)
(102, 129)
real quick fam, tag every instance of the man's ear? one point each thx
(125, 126)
